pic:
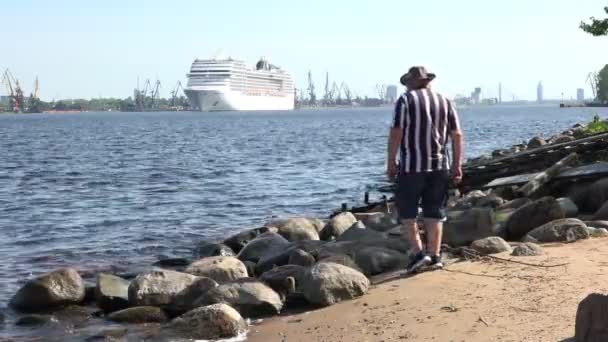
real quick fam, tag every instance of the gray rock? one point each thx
(530, 239)
(514, 204)
(33, 320)
(111, 292)
(328, 283)
(277, 278)
(264, 244)
(358, 232)
(296, 229)
(172, 263)
(561, 139)
(378, 221)
(375, 260)
(184, 300)
(139, 314)
(597, 224)
(533, 215)
(536, 142)
(343, 260)
(568, 207)
(213, 322)
(280, 256)
(602, 212)
(249, 297)
(54, 289)
(591, 318)
(250, 268)
(300, 257)
(527, 249)
(590, 199)
(158, 288)
(219, 268)
(338, 225)
(491, 245)
(238, 241)
(109, 334)
(206, 249)
(558, 231)
(464, 227)
(597, 232)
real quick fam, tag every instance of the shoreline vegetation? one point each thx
(303, 264)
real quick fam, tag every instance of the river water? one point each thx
(112, 191)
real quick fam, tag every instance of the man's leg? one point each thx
(434, 202)
(409, 192)
(412, 235)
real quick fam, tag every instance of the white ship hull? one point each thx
(227, 100)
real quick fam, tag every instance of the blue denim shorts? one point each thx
(428, 190)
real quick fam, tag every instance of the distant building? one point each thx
(580, 94)
(476, 96)
(539, 92)
(391, 93)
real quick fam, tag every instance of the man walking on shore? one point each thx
(422, 122)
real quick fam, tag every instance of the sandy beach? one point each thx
(469, 301)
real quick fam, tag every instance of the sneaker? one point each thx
(436, 262)
(420, 260)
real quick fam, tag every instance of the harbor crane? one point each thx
(14, 90)
(175, 92)
(311, 90)
(155, 94)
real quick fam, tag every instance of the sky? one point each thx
(84, 49)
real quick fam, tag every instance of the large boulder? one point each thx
(591, 318)
(158, 288)
(240, 240)
(532, 215)
(358, 232)
(597, 224)
(464, 227)
(514, 204)
(338, 225)
(301, 257)
(264, 244)
(568, 206)
(54, 289)
(559, 230)
(219, 268)
(478, 199)
(184, 301)
(491, 245)
(296, 229)
(375, 260)
(328, 283)
(590, 199)
(602, 212)
(379, 221)
(278, 278)
(527, 249)
(341, 259)
(536, 142)
(213, 322)
(205, 249)
(111, 292)
(280, 256)
(249, 296)
(139, 315)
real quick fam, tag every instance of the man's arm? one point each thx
(457, 152)
(394, 140)
(457, 143)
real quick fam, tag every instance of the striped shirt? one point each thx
(426, 118)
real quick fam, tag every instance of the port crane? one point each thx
(311, 90)
(14, 90)
(175, 92)
(155, 94)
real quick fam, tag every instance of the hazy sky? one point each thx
(83, 50)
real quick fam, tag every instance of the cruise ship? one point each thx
(229, 84)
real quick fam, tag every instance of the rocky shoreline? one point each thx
(297, 264)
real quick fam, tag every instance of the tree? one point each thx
(597, 27)
(602, 85)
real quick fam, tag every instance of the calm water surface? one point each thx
(112, 191)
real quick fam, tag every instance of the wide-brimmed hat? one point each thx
(417, 73)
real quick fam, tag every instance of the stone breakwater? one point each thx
(296, 263)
